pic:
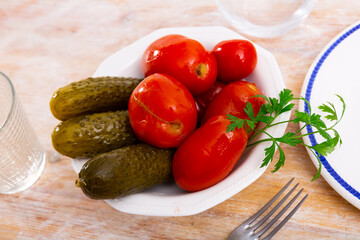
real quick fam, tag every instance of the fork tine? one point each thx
(282, 223)
(263, 230)
(258, 224)
(267, 205)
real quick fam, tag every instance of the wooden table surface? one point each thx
(47, 44)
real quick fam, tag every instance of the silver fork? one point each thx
(246, 231)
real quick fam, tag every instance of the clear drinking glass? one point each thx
(265, 18)
(21, 157)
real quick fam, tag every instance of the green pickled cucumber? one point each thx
(125, 171)
(92, 95)
(88, 135)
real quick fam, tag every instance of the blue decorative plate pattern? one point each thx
(337, 71)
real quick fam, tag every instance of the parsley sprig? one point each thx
(274, 107)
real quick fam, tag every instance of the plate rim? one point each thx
(331, 176)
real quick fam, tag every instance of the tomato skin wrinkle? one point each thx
(162, 111)
(183, 58)
(208, 155)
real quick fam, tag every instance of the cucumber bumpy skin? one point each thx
(92, 95)
(125, 171)
(89, 135)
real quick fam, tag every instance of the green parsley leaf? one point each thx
(272, 108)
(263, 116)
(317, 175)
(269, 155)
(336, 139)
(250, 124)
(287, 108)
(265, 119)
(232, 118)
(231, 127)
(323, 148)
(281, 105)
(343, 107)
(332, 116)
(249, 111)
(301, 117)
(275, 105)
(315, 120)
(235, 123)
(325, 135)
(290, 139)
(269, 107)
(281, 162)
(286, 96)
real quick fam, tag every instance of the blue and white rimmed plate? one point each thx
(337, 71)
(168, 199)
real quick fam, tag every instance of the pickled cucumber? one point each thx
(92, 95)
(89, 135)
(125, 171)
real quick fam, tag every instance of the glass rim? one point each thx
(256, 30)
(2, 125)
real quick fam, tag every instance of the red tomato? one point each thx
(208, 155)
(203, 100)
(236, 59)
(183, 58)
(232, 100)
(162, 111)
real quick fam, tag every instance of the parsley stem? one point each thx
(306, 145)
(271, 138)
(298, 131)
(255, 134)
(260, 141)
(269, 125)
(311, 133)
(306, 101)
(317, 175)
(278, 123)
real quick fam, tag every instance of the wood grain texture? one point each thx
(47, 44)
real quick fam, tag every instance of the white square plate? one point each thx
(168, 199)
